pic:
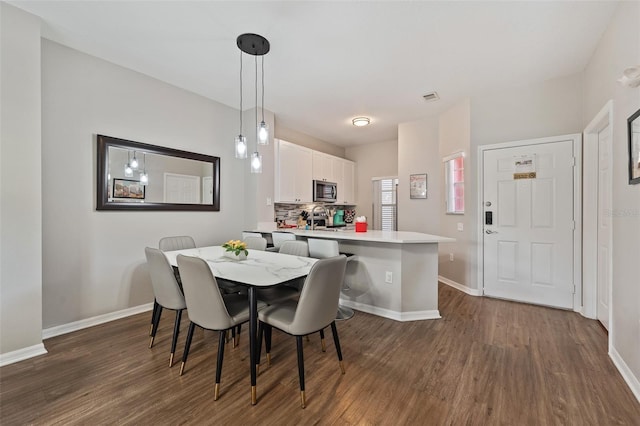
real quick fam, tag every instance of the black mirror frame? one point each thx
(633, 160)
(103, 144)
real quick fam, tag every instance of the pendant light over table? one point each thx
(255, 45)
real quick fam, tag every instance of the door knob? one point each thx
(489, 231)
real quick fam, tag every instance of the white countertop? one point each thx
(394, 237)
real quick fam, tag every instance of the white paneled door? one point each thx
(528, 199)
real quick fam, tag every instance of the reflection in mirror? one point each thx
(133, 176)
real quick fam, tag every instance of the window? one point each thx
(385, 213)
(454, 181)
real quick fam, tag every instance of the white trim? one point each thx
(394, 315)
(453, 156)
(383, 177)
(577, 206)
(22, 354)
(603, 119)
(97, 320)
(463, 288)
(625, 371)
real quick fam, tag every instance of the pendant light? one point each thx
(144, 178)
(263, 128)
(241, 141)
(134, 162)
(255, 45)
(128, 170)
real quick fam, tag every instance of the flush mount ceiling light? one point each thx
(361, 121)
(256, 45)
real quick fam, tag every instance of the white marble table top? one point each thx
(260, 268)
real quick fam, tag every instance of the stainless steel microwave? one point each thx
(325, 191)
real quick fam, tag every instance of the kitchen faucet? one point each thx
(313, 210)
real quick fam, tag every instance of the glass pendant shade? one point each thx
(134, 161)
(144, 178)
(128, 171)
(256, 162)
(241, 146)
(263, 133)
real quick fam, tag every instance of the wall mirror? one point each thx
(139, 176)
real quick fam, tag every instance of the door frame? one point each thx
(576, 139)
(603, 119)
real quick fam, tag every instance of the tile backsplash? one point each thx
(291, 212)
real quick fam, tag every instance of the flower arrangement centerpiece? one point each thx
(236, 249)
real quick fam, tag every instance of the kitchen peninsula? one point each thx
(394, 274)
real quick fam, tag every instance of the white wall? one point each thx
(618, 49)
(455, 136)
(20, 183)
(373, 160)
(418, 152)
(93, 262)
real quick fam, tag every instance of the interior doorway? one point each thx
(597, 253)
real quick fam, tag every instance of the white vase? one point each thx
(232, 255)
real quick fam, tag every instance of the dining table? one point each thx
(259, 269)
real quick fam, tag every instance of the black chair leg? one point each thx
(221, 340)
(153, 315)
(187, 345)
(154, 328)
(261, 327)
(336, 341)
(267, 342)
(233, 336)
(324, 347)
(303, 400)
(176, 331)
(236, 341)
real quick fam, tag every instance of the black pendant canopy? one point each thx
(253, 44)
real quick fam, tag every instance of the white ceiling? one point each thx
(332, 61)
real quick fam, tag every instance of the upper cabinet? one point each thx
(297, 167)
(323, 167)
(293, 174)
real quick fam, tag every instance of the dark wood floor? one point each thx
(486, 362)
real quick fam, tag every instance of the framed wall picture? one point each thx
(634, 148)
(125, 188)
(418, 185)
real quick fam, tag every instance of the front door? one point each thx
(528, 198)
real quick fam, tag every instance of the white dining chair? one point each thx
(314, 311)
(256, 243)
(246, 234)
(279, 237)
(322, 249)
(167, 294)
(209, 309)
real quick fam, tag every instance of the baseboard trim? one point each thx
(394, 315)
(625, 371)
(458, 286)
(22, 354)
(97, 320)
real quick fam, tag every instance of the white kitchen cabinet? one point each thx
(323, 166)
(293, 173)
(347, 195)
(343, 174)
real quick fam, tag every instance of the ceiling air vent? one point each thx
(429, 97)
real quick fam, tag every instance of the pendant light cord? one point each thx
(256, 62)
(240, 93)
(262, 62)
